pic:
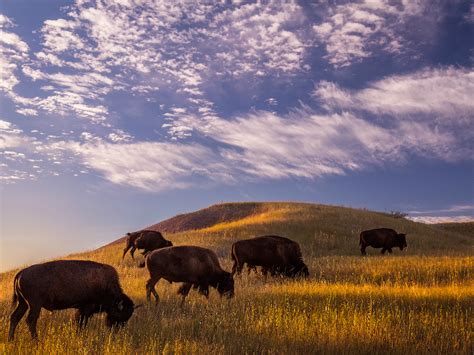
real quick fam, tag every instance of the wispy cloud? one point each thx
(11, 136)
(150, 166)
(442, 219)
(13, 51)
(432, 106)
(354, 31)
(306, 144)
(443, 91)
(15, 154)
(455, 208)
(452, 214)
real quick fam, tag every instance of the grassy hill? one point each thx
(418, 300)
(466, 228)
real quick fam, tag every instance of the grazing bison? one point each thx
(147, 240)
(194, 266)
(87, 286)
(384, 238)
(273, 253)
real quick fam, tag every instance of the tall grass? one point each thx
(415, 302)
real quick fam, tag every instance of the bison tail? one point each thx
(232, 251)
(15, 295)
(14, 299)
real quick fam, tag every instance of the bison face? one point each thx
(304, 271)
(402, 240)
(120, 312)
(226, 285)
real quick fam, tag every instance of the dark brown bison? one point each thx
(194, 266)
(279, 255)
(87, 286)
(384, 238)
(147, 240)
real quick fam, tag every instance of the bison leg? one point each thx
(16, 316)
(83, 315)
(362, 249)
(204, 290)
(132, 251)
(31, 319)
(237, 267)
(81, 319)
(184, 290)
(383, 250)
(250, 268)
(150, 288)
(389, 250)
(125, 251)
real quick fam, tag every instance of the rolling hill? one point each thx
(325, 229)
(408, 302)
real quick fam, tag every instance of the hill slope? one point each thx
(466, 228)
(409, 302)
(321, 228)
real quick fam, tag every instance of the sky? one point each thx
(115, 115)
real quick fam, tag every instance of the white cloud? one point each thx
(442, 219)
(27, 112)
(173, 46)
(13, 51)
(445, 91)
(64, 104)
(455, 208)
(305, 144)
(119, 136)
(11, 136)
(177, 45)
(15, 149)
(149, 166)
(356, 30)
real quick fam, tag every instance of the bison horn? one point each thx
(120, 306)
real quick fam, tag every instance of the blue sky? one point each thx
(117, 114)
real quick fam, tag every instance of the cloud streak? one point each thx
(444, 91)
(150, 166)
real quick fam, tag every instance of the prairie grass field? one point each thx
(416, 301)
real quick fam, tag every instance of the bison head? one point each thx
(402, 241)
(303, 271)
(226, 285)
(169, 244)
(299, 270)
(120, 312)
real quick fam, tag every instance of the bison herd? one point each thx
(91, 287)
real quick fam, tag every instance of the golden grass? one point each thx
(415, 302)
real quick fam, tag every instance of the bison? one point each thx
(87, 286)
(147, 240)
(273, 253)
(384, 238)
(194, 266)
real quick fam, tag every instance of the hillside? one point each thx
(325, 229)
(408, 302)
(466, 228)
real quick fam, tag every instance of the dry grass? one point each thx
(415, 302)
